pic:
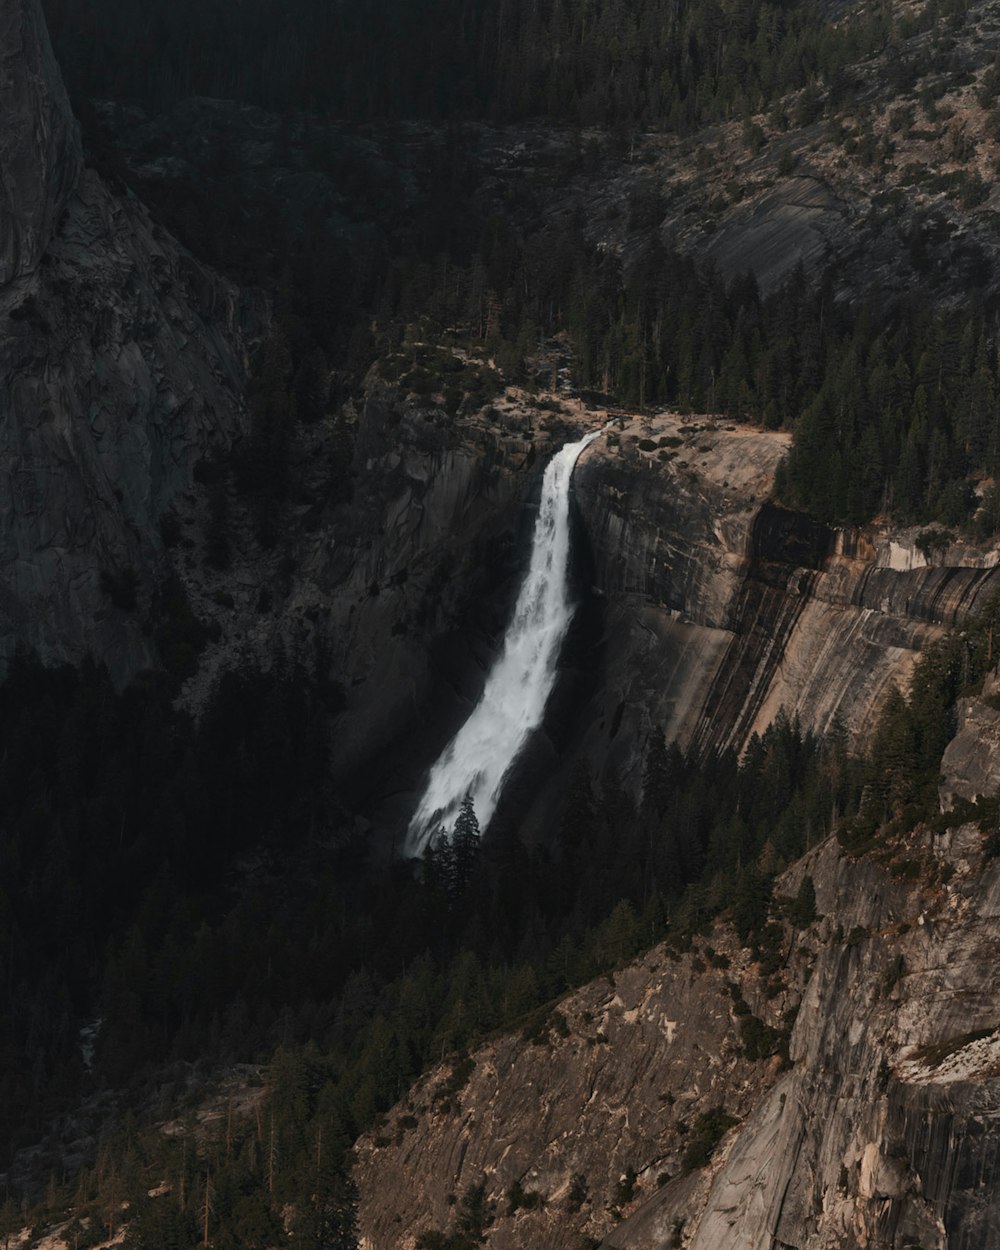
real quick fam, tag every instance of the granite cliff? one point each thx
(705, 606)
(636, 1114)
(723, 607)
(123, 363)
(878, 1132)
(40, 153)
(719, 607)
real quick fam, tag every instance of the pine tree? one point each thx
(465, 842)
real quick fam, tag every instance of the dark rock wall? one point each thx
(416, 579)
(882, 1135)
(122, 363)
(40, 156)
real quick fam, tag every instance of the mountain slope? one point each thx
(123, 362)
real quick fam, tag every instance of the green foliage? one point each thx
(707, 1132)
(902, 767)
(929, 542)
(447, 1093)
(519, 1198)
(591, 64)
(802, 909)
(759, 1040)
(625, 1189)
(578, 1194)
(180, 636)
(120, 816)
(403, 967)
(893, 408)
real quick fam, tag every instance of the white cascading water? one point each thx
(477, 760)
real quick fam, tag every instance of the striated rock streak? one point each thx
(722, 608)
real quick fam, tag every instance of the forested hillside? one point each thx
(361, 973)
(576, 62)
(186, 893)
(893, 407)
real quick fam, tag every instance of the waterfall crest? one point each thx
(480, 756)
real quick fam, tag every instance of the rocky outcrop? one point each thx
(723, 608)
(122, 363)
(122, 367)
(586, 1119)
(421, 571)
(40, 156)
(881, 1134)
(971, 763)
(399, 595)
(873, 1139)
(708, 609)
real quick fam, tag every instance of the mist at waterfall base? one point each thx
(480, 757)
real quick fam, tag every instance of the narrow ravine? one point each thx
(478, 759)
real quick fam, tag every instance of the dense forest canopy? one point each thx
(580, 62)
(362, 975)
(894, 409)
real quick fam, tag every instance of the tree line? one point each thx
(197, 893)
(200, 892)
(581, 62)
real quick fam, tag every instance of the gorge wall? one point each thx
(720, 608)
(705, 608)
(123, 363)
(879, 1134)
(724, 608)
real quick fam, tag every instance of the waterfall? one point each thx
(480, 756)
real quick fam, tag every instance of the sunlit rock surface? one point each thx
(720, 608)
(971, 763)
(882, 1134)
(724, 608)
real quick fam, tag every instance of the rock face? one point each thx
(881, 1134)
(603, 1090)
(720, 608)
(971, 763)
(401, 595)
(723, 608)
(715, 608)
(884, 1133)
(40, 157)
(122, 363)
(421, 571)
